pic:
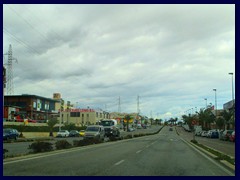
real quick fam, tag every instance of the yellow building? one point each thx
(82, 117)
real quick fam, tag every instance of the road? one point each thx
(163, 154)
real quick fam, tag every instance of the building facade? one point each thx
(82, 117)
(33, 106)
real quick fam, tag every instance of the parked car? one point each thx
(214, 134)
(226, 134)
(10, 134)
(220, 133)
(204, 133)
(139, 126)
(63, 133)
(32, 121)
(209, 134)
(232, 137)
(74, 133)
(130, 129)
(144, 126)
(94, 132)
(82, 132)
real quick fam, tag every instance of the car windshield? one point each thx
(107, 123)
(92, 129)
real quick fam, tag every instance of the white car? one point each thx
(63, 133)
(204, 133)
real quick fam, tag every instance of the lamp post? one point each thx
(232, 96)
(232, 87)
(215, 101)
(206, 102)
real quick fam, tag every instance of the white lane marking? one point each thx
(139, 151)
(119, 162)
(153, 142)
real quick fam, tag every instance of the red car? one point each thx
(232, 137)
(32, 121)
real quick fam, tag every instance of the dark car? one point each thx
(74, 133)
(214, 134)
(10, 134)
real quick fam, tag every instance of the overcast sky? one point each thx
(171, 56)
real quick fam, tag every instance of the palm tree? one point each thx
(51, 123)
(227, 116)
(127, 117)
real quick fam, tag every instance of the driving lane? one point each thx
(163, 154)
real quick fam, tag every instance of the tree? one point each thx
(227, 116)
(51, 123)
(127, 118)
(205, 118)
(220, 122)
(70, 126)
(151, 120)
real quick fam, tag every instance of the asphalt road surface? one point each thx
(163, 154)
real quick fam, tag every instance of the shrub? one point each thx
(63, 144)
(40, 146)
(86, 142)
(5, 151)
(194, 141)
(129, 136)
(113, 138)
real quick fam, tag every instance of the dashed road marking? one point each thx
(119, 162)
(139, 151)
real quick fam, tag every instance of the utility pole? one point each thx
(119, 105)
(138, 110)
(10, 88)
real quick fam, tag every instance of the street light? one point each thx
(232, 87)
(206, 102)
(232, 96)
(215, 101)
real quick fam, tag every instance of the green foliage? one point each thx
(40, 146)
(63, 144)
(86, 142)
(129, 136)
(70, 126)
(5, 151)
(51, 123)
(113, 138)
(194, 141)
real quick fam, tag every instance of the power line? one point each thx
(21, 42)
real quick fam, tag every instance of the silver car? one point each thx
(94, 132)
